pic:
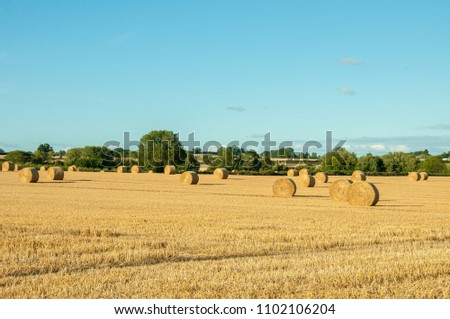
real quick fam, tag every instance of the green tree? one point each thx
(287, 152)
(19, 157)
(90, 157)
(249, 161)
(370, 164)
(44, 153)
(2, 151)
(339, 162)
(434, 165)
(161, 148)
(399, 163)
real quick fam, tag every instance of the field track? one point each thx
(109, 235)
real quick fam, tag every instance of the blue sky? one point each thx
(376, 73)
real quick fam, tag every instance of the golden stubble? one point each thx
(109, 235)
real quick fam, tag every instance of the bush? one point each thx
(434, 165)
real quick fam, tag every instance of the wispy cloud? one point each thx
(346, 90)
(351, 61)
(236, 109)
(398, 144)
(121, 38)
(438, 127)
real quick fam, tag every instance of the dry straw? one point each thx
(72, 168)
(423, 176)
(122, 169)
(362, 194)
(284, 187)
(305, 171)
(189, 178)
(414, 176)
(358, 176)
(338, 189)
(170, 170)
(7, 166)
(29, 175)
(137, 169)
(42, 169)
(55, 174)
(17, 167)
(321, 177)
(307, 181)
(292, 172)
(221, 173)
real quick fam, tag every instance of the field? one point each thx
(109, 235)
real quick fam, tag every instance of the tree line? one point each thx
(160, 148)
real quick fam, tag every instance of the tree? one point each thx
(399, 163)
(91, 157)
(60, 153)
(2, 151)
(370, 164)
(339, 162)
(44, 153)
(434, 165)
(19, 157)
(287, 152)
(250, 161)
(161, 148)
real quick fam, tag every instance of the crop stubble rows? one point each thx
(107, 235)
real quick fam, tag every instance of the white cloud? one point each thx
(399, 148)
(346, 90)
(378, 147)
(236, 109)
(438, 127)
(351, 61)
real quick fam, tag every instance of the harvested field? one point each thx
(109, 235)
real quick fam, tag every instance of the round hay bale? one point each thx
(414, 176)
(307, 181)
(135, 169)
(55, 174)
(362, 194)
(7, 166)
(17, 167)
(305, 171)
(122, 169)
(423, 176)
(221, 173)
(321, 177)
(189, 178)
(338, 189)
(72, 168)
(170, 170)
(358, 176)
(284, 187)
(29, 175)
(42, 169)
(292, 172)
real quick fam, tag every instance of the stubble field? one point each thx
(109, 235)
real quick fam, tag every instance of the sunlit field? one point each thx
(110, 235)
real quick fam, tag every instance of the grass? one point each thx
(97, 235)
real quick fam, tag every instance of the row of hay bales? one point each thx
(356, 191)
(306, 179)
(31, 174)
(416, 176)
(10, 166)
